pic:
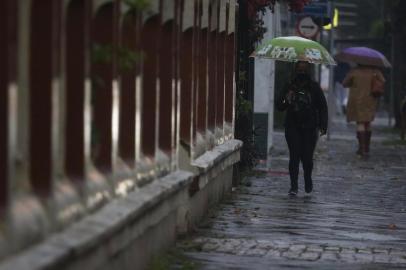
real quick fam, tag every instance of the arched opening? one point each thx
(150, 41)
(8, 60)
(129, 70)
(186, 75)
(229, 80)
(4, 67)
(75, 89)
(212, 72)
(102, 81)
(203, 80)
(230, 64)
(42, 57)
(167, 80)
(177, 60)
(220, 81)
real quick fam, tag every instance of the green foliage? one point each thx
(244, 130)
(377, 29)
(102, 53)
(243, 106)
(172, 258)
(137, 4)
(126, 58)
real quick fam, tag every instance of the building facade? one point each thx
(117, 123)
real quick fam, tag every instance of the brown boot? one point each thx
(367, 140)
(361, 143)
(359, 135)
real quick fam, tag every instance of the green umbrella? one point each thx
(293, 49)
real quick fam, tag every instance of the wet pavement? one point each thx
(354, 219)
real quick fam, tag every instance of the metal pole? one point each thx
(330, 97)
(321, 42)
(392, 82)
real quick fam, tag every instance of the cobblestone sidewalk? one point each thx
(354, 219)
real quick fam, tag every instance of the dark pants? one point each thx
(301, 143)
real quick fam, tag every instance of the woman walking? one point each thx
(362, 104)
(306, 118)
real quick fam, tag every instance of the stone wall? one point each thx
(117, 127)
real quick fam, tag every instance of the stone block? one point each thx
(310, 256)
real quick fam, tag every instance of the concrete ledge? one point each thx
(205, 162)
(125, 232)
(64, 248)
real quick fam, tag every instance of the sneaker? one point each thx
(292, 192)
(309, 188)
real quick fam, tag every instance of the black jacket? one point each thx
(317, 115)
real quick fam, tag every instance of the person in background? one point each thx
(362, 104)
(306, 118)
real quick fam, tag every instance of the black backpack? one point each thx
(302, 104)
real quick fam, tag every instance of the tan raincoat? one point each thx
(361, 105)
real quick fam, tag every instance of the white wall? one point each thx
(265, 74)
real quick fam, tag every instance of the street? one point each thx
(354, 219)
(148, 134)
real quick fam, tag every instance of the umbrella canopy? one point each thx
(364, 56)
(293, 49)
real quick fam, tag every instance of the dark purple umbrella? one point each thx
(364, 56)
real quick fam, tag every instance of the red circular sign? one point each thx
(307, 28)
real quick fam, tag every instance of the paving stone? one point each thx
(310, 256)
(234, 242)
(380, 250)
(281, 244)
(315, 249)
(347, 250)
(265, 245)
(363, 258)
(209, 247)
(297, 248)
(398, 260)
(334, 249)
(273, 253)
(202, 240)
(381, 258)
(291, 255)
(329, 257)
(255, 252)
(398, 253)
(364, 251)
(226, 248)
(346, 257)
